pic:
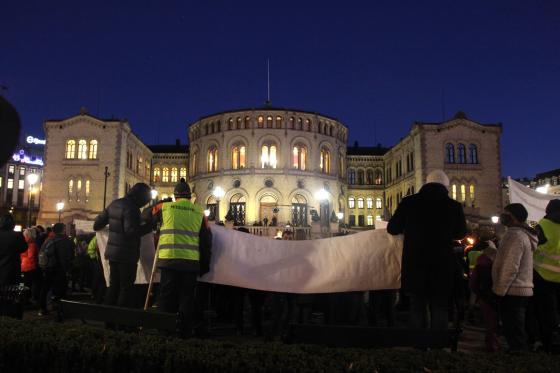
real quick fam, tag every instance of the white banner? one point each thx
(369, 260)
(534, 202)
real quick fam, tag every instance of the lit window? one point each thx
(260, 121)
(292, 123)
(183, 173)
(449, 153)
(1, 181)
(70, 187)
(269, 122)
(325, 161)
(157, 175)
(463, 193)
(299, 124)
(194, 163)
(351, 204)
(308, 125)
(10, 183)
(351, 176)
(78, 189)
(230, 124)
(299, 158)
(70, 149)
(238, 123)
(212, 159)
(378, 203)
(454, 191)
(378, 217)
(165, 175)
(268, 156)
(360, 177)
(238, 157)
(12, 169)
(247, 123)
(22, 171)
(471, 192)
(93, 149)
(174, 175)
(461, 156)
(378, 177)
(369, 203)
(82, 149)
(21, 184)
(87, 188)
(360, 203)
(473, 154)
(369, 220)
(279, 122)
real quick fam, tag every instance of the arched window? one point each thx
(212, 159)
(330, 130)
(93, 149)
(260, 121)
(308, 125)
(461, 154)
(82, 149)
(292, 123)
(463, 193)
(268, 156)
(473, 154)
(279, 121)
(325, 161)
(299, 157)
(238, 123)
(361, 177)
(319, 127)
(183, 173)
(88, 186)
(454, 191)
(247, 123)
(369, 177)
(194, 164)
(471, 194)
(351, 204)
(351, 176)
(378, 203)
(238, 157)
(340, 165)
(206, 129)
(70, 149)
(139, 165)
(165, 175)
(219, 126)
(230, 124)
(70, 188)
(157, 175)
(269, 121)
(369, 203)
(378, 177)
(299, 124)
(78, 189)
(174, 175)
(360, 203)
(449, 153)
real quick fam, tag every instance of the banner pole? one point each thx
(150, 285)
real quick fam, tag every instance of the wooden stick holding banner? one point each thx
(151, 283)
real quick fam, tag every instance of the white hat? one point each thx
(438, 176)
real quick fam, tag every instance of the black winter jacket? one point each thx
(125, 225)
(12, 244)
(430, 221)
(64, 249)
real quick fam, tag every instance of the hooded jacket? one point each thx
(125, 225)
(512, 272)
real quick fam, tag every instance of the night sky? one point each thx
(377, 66)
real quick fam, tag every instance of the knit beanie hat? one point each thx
(438, 176)
(517, 210)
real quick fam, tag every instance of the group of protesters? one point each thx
(512, 277)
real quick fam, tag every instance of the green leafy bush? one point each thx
(39, 346)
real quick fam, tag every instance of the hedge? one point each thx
(40, 346)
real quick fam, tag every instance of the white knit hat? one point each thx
(438, 176)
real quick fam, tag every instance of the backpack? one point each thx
(47, 255)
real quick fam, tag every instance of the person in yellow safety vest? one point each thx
(546, 277)
(184, 251)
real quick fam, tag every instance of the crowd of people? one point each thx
(511, 277)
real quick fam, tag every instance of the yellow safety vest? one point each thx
(546, 258)
(473, 256)
(178, 236)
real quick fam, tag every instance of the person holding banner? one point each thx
(430, 221)
(183, 253)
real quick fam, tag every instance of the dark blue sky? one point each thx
(378, 66)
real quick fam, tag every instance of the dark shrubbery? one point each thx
(52, 347)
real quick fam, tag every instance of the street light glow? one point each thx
(207, 213)
(59, 206)
(495, 219)
(543, 189)
(322, 194)
(340, 215)
(218, 192)
(32, 179)
(154, 193)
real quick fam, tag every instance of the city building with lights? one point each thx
(270, 164)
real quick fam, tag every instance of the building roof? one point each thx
(544, 175)
(366, 150)
(173, 148)
(83, 111)
(269, 107)
(458, 115)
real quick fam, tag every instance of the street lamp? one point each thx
(31, 180)
(323, 197)
(495, 219)
(207, 213)
(59, 208)
(543, 189)
(154, 194)
(218, 193)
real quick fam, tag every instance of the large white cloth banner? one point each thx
(147, 255)
(534, 202)
(369, 260)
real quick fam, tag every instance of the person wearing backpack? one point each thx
(55, 260)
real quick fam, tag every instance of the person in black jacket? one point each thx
(12, 244)
(123, 245)
(430, 221)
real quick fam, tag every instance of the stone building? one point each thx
(548, 181)
(169, 165)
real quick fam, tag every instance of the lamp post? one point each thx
(59, 208)
(31, 180)
(218, 193)
(107, 174)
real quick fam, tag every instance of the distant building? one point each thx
(169, 165)
(550, 180)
